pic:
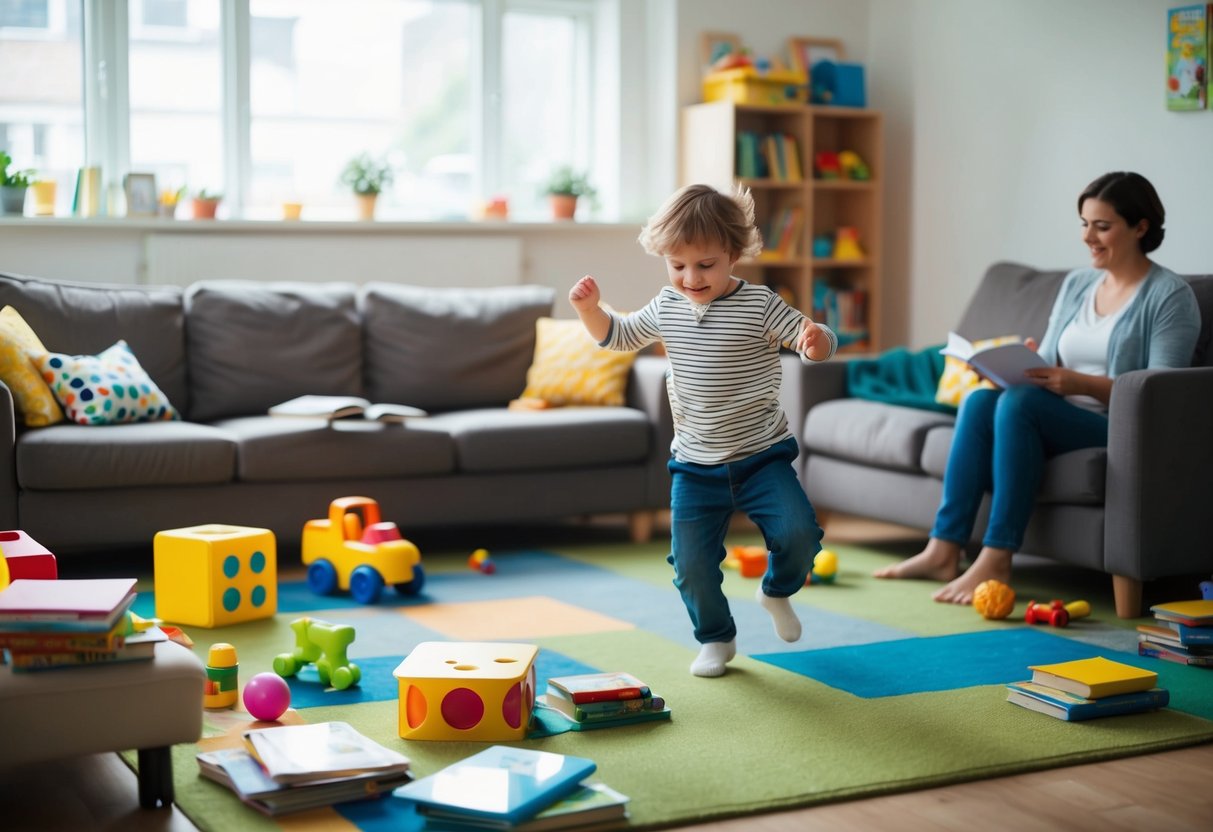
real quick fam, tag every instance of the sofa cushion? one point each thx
(570, 368)
(19, 346)
(1202, 286)
(1012, 299)
(72, 457)
(109, 388)
(283, 449)
(520, 440)
(85, 318)
(253, 344)
(444, 349)
(885, 435)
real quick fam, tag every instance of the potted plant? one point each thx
(205, 204)
(564, 187)
(13, 185)
(367, 176)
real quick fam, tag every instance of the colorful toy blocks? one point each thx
(480, 691)
(214, 575)
(27, 558)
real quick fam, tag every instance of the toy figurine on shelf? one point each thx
(823, 246)
(827, 164)
(853, 167)
(846, 244)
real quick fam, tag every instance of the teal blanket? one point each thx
(900, 377)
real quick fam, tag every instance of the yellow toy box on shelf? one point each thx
(754, 85)
(479, 691)
(214, 575)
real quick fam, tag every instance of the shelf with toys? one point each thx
(814, 172)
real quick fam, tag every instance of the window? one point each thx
(26, 14)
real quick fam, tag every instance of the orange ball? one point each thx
(993, 599)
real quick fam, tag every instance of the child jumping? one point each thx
(732, 448)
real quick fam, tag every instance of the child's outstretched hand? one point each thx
(813, 343)
(585, 295)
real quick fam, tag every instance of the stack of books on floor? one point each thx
(1182, 632)
(1088, 688)
(604, 700)
(290, 768)
(516, 789)
(50, 624)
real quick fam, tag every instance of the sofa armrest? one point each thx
(8, 459)
(647, 392)
(1157, 520)
(807, 385)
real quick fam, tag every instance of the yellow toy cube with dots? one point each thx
(480, 691)
(214, 575)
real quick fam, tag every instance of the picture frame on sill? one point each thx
(140, 190)
(714, 45)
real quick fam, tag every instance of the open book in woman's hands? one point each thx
(1004, 365)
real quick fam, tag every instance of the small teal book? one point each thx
(500, 783)
(1073, 708)
(1189, 635)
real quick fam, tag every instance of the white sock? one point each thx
(712, 658)
(787, 625)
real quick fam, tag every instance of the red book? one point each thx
(600, 687)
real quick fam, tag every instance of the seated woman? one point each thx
(1124, 313)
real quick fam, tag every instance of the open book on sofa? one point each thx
(345, 407)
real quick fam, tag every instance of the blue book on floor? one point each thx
(500, 783)
(1073, 708)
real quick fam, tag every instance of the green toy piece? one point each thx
(324, 645)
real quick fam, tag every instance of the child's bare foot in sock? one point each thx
(787, 625)
(939, 561)
(991, 564)
(712, 658)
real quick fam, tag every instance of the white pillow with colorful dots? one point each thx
(105, 389)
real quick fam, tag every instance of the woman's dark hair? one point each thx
(1133, 197)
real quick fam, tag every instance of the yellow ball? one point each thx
(825, 563)
(993, 599)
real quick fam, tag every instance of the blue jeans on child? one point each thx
(1002, 440)
(703, 499)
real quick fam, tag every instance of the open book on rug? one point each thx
(345, 407)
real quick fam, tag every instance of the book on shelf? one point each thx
(320, 751)
(236, 769)
(136, 647)
(1004, 365)
(92, 605)
(600, 687)
(1094, 678)
(1190, 613)
(1074, 708)
(500, 783)
(345, 407)
(593, 806)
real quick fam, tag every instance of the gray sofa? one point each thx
(223, 352)
(1138, 509)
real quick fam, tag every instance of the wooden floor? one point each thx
(1167, 792)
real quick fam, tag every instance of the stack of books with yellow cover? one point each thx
(1088, 688)
(1182, 632)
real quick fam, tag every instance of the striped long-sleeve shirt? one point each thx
(724, 367)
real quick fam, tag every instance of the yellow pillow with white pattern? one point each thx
(959, 380)
(570, 369)
(19, 348)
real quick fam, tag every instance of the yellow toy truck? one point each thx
(352, 549)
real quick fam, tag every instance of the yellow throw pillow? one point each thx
(19, 348)
(570, 369)
(959, 380)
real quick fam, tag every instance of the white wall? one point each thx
(1014, 108)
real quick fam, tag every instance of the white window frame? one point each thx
(107, 99)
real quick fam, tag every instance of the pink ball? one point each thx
(267, 696)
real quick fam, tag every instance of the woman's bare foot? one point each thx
(939, 561)
(991, 564)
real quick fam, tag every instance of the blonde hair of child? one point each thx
(699, 214)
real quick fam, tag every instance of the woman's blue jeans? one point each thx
(1003, 439)
(703, 499)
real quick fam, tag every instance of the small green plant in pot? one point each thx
(564, 187)
(367, 177)
(205, 203)
(13, 185)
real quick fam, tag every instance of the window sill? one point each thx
(305, 226)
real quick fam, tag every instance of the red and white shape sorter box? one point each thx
(214, 575)
(457, 690)
(27, 558)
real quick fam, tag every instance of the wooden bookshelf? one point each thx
(715, 135)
